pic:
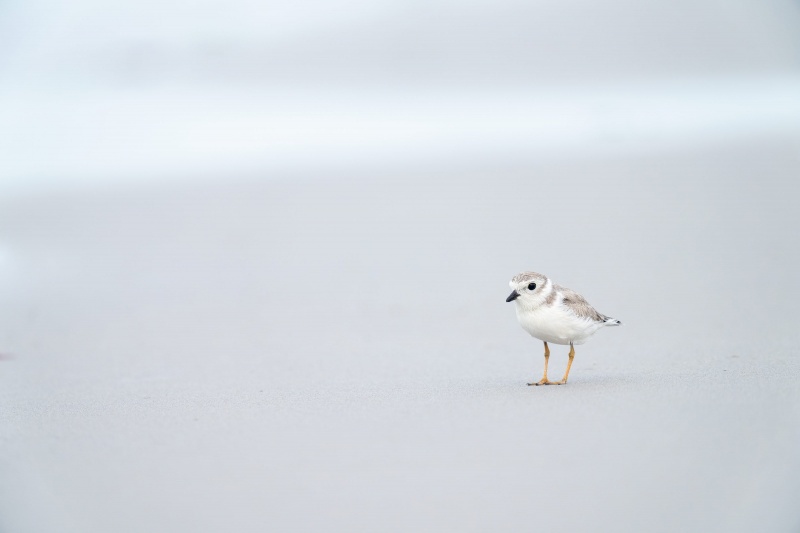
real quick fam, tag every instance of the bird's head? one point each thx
(529, 289)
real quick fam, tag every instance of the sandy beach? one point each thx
(254, 258)
(323, 353)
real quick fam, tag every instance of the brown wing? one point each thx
(578, 305)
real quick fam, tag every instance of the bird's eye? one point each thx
(531, 286)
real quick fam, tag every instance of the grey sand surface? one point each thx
(337, 355)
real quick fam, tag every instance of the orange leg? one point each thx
(544, 380)
(569, 364)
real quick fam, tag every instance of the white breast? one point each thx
(556, 324)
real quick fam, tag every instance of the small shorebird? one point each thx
(556, 314)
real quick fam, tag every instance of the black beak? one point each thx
(513, 296)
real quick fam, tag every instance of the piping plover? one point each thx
(556, 314)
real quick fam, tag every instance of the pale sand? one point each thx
(335, 354)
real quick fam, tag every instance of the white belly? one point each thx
(556, 325)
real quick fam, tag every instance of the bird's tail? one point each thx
(612, 322)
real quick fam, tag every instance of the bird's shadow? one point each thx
(597, 381)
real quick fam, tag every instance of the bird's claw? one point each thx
(544, 381)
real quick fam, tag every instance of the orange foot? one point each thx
(545, 381)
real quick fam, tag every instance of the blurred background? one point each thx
(98, 92)
(254, 257)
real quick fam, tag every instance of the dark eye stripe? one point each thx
(531, 286)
